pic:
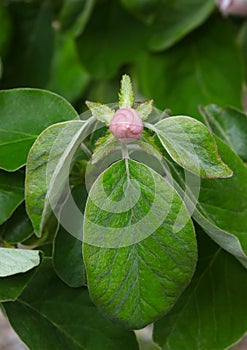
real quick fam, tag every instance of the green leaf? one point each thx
(101, 112)
(11, 193)
(29, 58)
(5, 30)
(145, 10)
(18, 228)
(139, 244)
(145, 108)
(175, 19)
(126, 95)
(72, 85)
(230, 125)
(104, 147)
(12, 286)
(48, 168)
(65, 317)
(120, 39)
(24, 114)
(13, 261)
(191, 145)
(191, 73)
(210, 314)
(67, 251)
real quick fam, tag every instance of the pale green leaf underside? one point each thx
(144, 109)
(139, 250)
(13, 261)
(101, 112)
(126, 95)
(47, 169)
(191, 145)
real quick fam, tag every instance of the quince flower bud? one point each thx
(233, 7)
(126, 125)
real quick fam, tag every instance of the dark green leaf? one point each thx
(175, 19)
(5, 30)
(11, 193)
(230, 125)
(48, 169)
(191, 145)
(64, 317)
(143, 9)
(196, 71)
(210, 314)
(13, 261)
(29, 58)
(119, 37)
(24, 114)
(67, 253)
(18, 228)
(139, 244)
(12, 286)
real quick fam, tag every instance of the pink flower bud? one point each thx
(126, 125)
(233, 7)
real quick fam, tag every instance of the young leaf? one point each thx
(230, 125)
(217, 289)
(11, 193)
(13, 261)
(65, 317)
(48, 166)
(139, 244)
(22, 121)
(126, 95)
(101, 112)
(191, 145)
(145, 108)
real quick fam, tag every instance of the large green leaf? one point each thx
(29, 58)
(11, 193)
(210, 314)
(119, 37)
(24, 114)
(195, 71)
(13, 261)
(174, 19)
(49, 315)
(230, 125)
(48, 169)
(139, 244)
(191, 145)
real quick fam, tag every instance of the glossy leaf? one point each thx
(11, 193)
(192, 146)
(210, 314)
(48, 169)
(120, 39)
(13, 261)
(191, 73)
(139, 244)
(65, 317)
(174, 20)
(230, 125)
(18, 228)
(67, 251)
(22, 121)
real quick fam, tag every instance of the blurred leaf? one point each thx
(135, 279)
(210, 314)
(24, 113)
(196, 71)
(120, 39)
(230, 125)
(29, 58)
(13, 261)
(67, 251)
(68, 77)
(65, 317)
(18, 228)
(143, 9)
(11, 193)
(175, 19)
(12, 286)
(5, 30)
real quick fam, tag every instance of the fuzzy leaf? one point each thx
(126, 95)
(145, 108)
(100, 111)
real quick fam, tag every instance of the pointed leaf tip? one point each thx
(126, 95)
(100, 111)
(145, 108)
